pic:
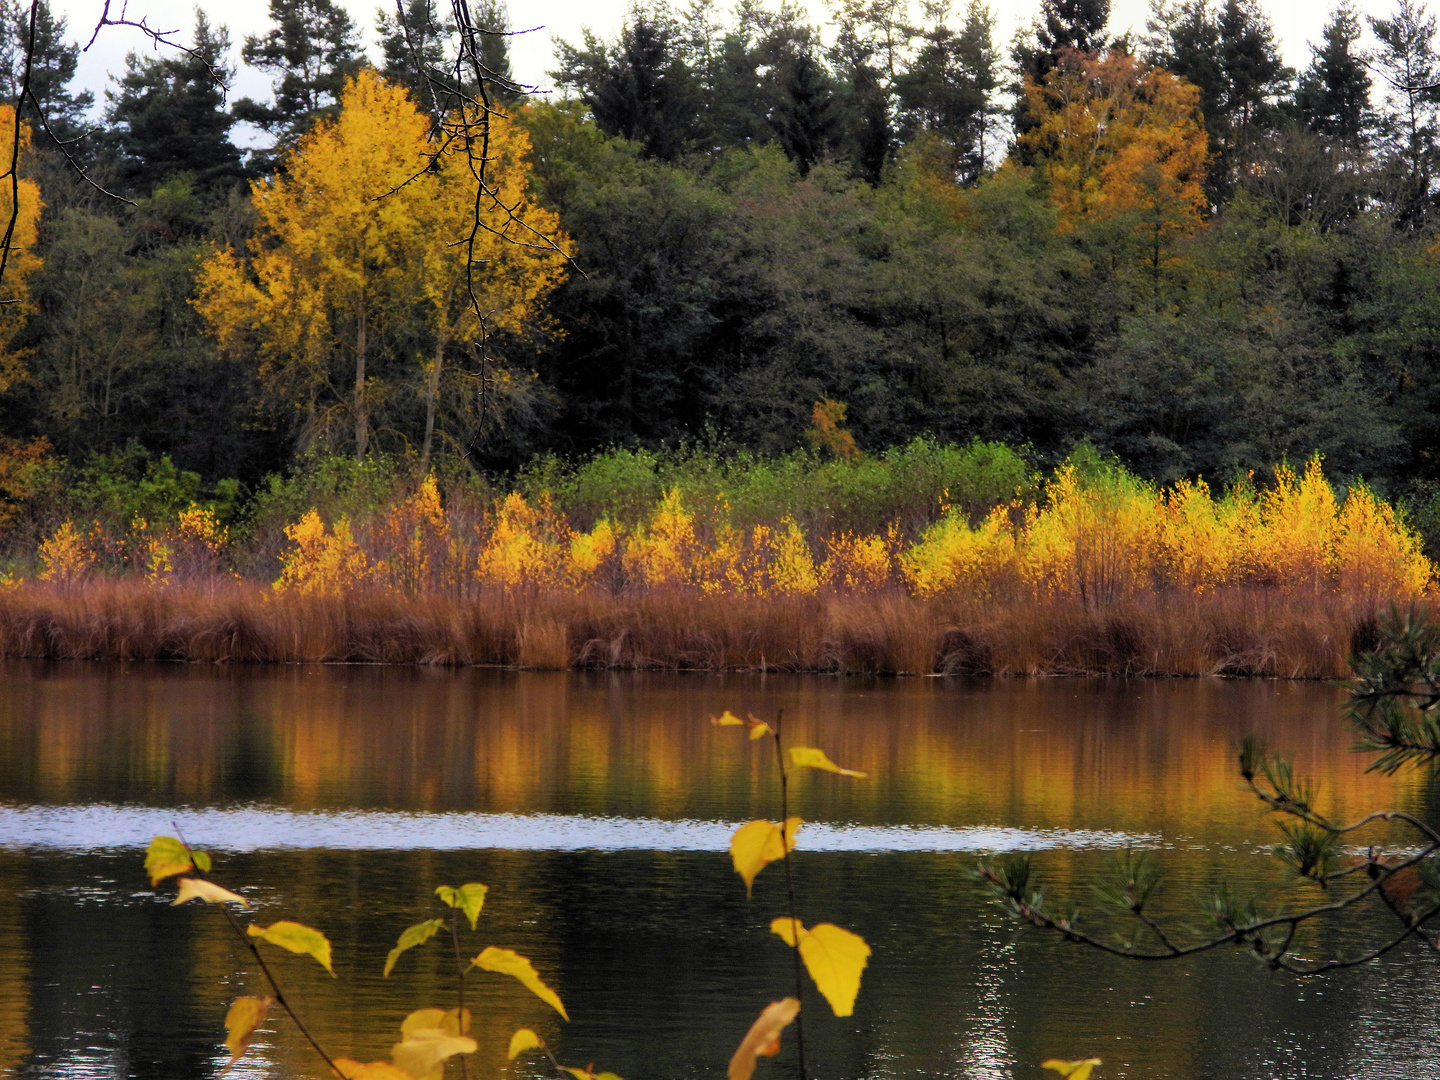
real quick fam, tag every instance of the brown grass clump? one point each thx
(1223, 632)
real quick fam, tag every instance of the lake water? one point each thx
(598, 809)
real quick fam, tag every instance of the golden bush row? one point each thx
(1096, 538)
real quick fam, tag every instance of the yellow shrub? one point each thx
(1298, 529)
(411, 539)
(588, 551)
(1375, 555)
(66, 556)
(665, 550)
(522, 548)
(321, 561)
(951, 555)
(856, 563)
(792, 566)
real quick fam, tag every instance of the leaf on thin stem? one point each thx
(809, 757)
(1075, 1070)
(297, 938)
(509, 962)
(834, 957)
(166, 857)
(200, 889)
(756, 844)
(523, 1039)
(414, 935)
(243, 1017)
(469, 898)
(763, 1038)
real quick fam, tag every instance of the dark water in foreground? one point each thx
(598, 809)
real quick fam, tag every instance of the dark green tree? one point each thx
(1333, 95)
(309, 51)
(950, 85)
(639, 87)
(1255, 76)
(1410, 117)
(168, 115)
(806, 119)
(52, 69)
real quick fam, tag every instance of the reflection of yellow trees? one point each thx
(14, 971)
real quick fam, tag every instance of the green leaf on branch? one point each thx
(298, 938)
(757, 844)
(415, 935)
(834, 957)
(469, 898)
(509, 962)
(166, 857)
(808, 757)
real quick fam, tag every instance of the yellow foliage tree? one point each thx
(23, 262)
(355, 252)
(1120, 143)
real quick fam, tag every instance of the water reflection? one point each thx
(597, 808)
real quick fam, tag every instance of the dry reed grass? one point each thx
(1230, 632)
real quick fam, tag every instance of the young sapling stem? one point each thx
(790, 892)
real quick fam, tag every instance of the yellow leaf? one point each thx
(756, 844)
(808, 757)
(449, 1021)
(296, 937)
(469, 898)
(202, 861)
(414, 935)
(424, 1052)
(1076, 1070)
(763, 1036)
(199, 889)
(166, 857)
(588, 1073)
(241, 1020)
(523, 1040)
(376, 1070)
(509, 962)
(727, 719)
(759, 729)
(834, 957)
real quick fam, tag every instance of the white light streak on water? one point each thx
(253, 828)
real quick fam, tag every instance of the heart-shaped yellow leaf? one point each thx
(469, 898)
(834, 957)
(763, 1036)
(759, 729)
(351, 1069)
(509, 962)
(523, 1040)
(1076, 1070)
(241, 1019)
(200, 889)
(424, 1052)
(808, 757)
(757, 844)
(166, 857)
(298, 938)
(413, 935)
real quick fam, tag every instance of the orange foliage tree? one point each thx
(1121, 144)
(23, 261)
(355, 261)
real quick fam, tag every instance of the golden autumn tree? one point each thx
(355, 260)
(1120, 144)
(23, 262)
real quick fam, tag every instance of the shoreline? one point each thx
(1238, 632)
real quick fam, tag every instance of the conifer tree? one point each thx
(1333, 96)
(169, 115)
(1410, 116)
(52, 69)
(310, 50)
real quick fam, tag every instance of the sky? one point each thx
(1296, 25)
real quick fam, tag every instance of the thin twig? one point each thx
(790, 893)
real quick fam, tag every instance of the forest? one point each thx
(775, 287)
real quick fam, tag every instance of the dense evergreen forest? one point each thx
(1170, 246)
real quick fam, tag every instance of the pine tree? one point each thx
(52, 69)
(1255, 76)
(949, 87)
(639, 87)
(1063, 24)
(1333, 97)
(311, 49)
(1410, 117)
(169, 115)
(806, 120)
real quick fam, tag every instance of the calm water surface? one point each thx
(598, 809)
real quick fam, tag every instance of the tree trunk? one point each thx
(362, 429)
(432, 396)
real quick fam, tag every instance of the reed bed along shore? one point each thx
(1226, 632)
(1094, 571)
